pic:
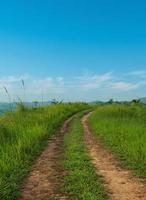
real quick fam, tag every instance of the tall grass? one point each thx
(80, 180)
(9, 97)
(123, 129)
(23, 134)
(23, 87)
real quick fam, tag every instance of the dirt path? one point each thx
(119, 182)
(43, 181)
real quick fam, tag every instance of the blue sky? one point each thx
(73, 50)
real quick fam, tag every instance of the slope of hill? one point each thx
(143, 100)
(4, 107)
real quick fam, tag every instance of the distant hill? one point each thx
(4, 107)
(143, 100)
(96, 102)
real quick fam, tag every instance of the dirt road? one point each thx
(43, 182)
(119, 183)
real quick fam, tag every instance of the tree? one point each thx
(111, 101)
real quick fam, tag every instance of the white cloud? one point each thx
(89, 82)
(12, 79)
(76, 88)
(126, 86)
(11, 83)
(139, 73)
(47, 85)
(34, 87)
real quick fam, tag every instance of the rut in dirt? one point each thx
(119, 183)
(43, 182)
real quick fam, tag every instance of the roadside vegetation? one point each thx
(23, 135)
(81, 181)
(123, 129)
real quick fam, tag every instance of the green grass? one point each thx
(81, 181)
(23, 135)
(123, 130)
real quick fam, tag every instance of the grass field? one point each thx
(80, 181)
(123, 130)
(23, 134)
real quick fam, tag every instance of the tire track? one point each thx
(120, 183)
(43, 182)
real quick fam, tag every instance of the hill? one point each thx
(143, 100)
(4, 107)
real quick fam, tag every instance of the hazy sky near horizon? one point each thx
(73, 49)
